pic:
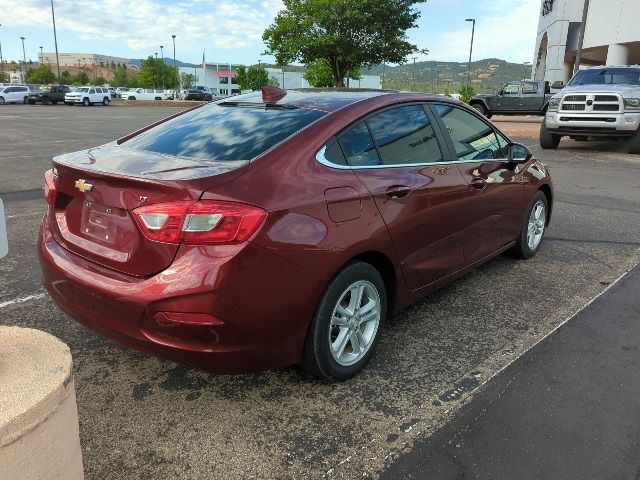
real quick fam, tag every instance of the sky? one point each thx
(231, 31)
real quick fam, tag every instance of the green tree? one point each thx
(319, 74)
(113, 65)
(66, 78)
(347, 34)
(81, 78)
(4, 77)
(99, 81)
(41, 75)
(466, 92)
(253, 77)
(150, 73)
(120, 78)
(186, 80)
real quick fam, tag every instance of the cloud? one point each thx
(506, 29)
(144, 24)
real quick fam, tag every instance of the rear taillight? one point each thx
(199, 223)
(49, 187)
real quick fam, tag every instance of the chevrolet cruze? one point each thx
(284, 227)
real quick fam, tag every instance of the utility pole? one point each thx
(155, 70)
(473, 31)
(24, 62)
(585, 11)
(55, 39)
(41, 57)
(162, 67)
(175, 69)
(382, 78)
(1, 59)
(413, 87)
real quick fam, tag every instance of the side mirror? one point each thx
(518, 153)
(557, 85)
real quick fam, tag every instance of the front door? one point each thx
(508, 98)
(495, 186)
(398, 156)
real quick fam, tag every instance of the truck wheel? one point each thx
(45, 100)
(480, 108)
(105, 101)
(1, 100)
(25, 100)
(548, 140)
(86, 102)
(634, 143)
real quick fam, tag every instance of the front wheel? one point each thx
(533, 227)
(86, 102)
(480, 108)
(548, 140)
(347, 323)
(634, 143)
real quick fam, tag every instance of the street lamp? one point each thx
(1, 59)
(162, 68)
(473, 30)
(155, 80)
(413, 87)
(55, 39)
(41, 56)
(24, 62)
(175, 69)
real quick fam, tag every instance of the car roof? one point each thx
(329, 100)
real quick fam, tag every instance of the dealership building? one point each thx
(611, 36)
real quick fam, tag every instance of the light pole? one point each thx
(1, 59)
(413, 87)
(55, 39)
(162, 67)
(473, 30)
(525, 64)
(24, 62)
(155, 80)
(41, 56)
(175, 69)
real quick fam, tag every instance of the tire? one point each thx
(131, 98)
(480, 108)
(105, 101)
(548, 140)
(633, 145)
(1, 100)
(86, 102)
(534, 226)
(45, 101)
(55, 102)
(334, 326)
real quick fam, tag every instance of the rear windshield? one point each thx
(217, 132)
(607, 76)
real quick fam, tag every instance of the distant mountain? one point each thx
(486, 75)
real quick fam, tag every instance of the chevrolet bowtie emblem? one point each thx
(83, 186)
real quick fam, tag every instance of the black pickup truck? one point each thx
(526, 97)
(52, 94)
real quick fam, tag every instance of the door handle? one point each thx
(398, 191)
(478, 183)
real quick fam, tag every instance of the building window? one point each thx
(224, 80)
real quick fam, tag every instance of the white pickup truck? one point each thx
(145, 94)
(601, 102)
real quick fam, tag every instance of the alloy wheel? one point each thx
(354, 323)
(536, 225)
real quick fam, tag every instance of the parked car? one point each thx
(88, 96)
(112, 91)
(264, 231)
(599, 102)
(120, 91)
(14, 94)
(195, 94)
(526, 97)
(145, 94)
(46, 95)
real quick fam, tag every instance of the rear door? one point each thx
(398, 156)
(496, 188)
(509, 97)
(531, 99)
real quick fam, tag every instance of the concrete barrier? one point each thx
(39, 437)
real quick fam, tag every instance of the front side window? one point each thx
(472, 138)
(511, 89)
(404, 136)
(225, 131)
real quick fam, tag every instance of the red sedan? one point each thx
(283, 228)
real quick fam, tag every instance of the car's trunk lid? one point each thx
(99, 188)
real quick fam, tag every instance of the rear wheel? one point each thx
(633, 146)
(1, 100)
(347, 324)
(548, 140)
(86, 102)
(533, 227)
(25, 99)
(480, 108)
(105, 101)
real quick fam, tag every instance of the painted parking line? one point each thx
(28, 298)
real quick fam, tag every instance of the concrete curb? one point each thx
(39, 435)
(157, 103)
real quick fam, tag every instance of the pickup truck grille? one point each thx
(591, 102)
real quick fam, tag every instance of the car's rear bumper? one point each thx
(261, 304)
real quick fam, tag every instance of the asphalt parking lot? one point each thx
(141, 417)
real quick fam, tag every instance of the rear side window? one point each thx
(472, 138)
(404, 136)
(218, 132)
(358, 147)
